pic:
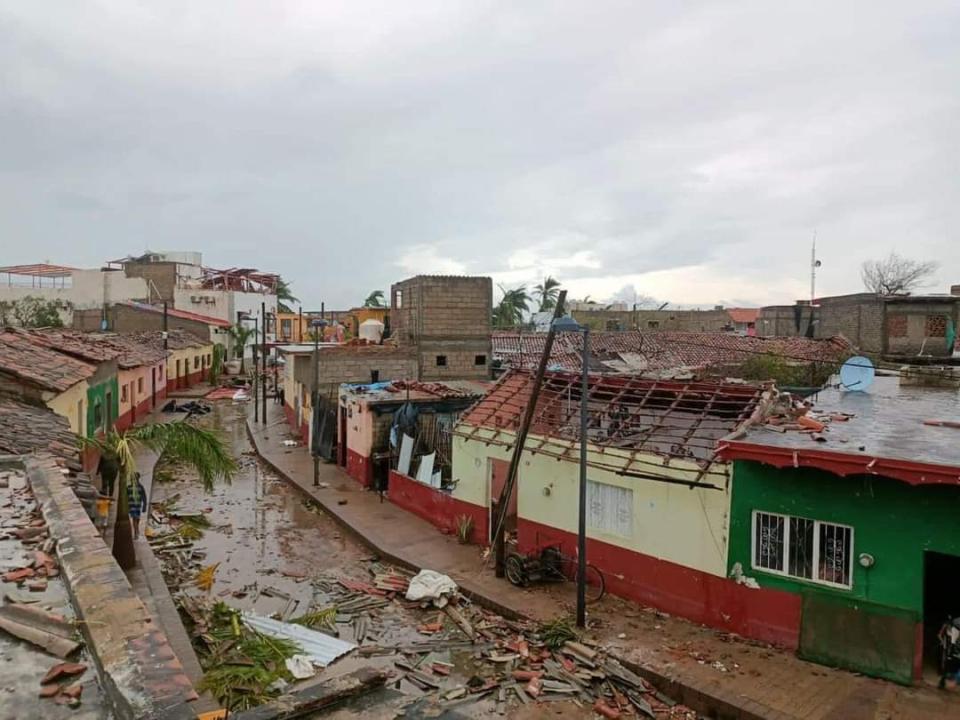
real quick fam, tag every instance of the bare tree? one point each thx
(895, 275)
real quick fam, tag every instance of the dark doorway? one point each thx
(153, 389)
(941, 574)
(342, 439)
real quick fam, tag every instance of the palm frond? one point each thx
(201, 449)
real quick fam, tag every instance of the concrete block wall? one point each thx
(859, 318)
(919, 327)
(445, 317)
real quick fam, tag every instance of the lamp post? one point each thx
(568, 324)
(318, 326)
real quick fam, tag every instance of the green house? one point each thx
(859, 523)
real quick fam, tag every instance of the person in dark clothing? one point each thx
(108, 469)
(137, 503)
(280, 396)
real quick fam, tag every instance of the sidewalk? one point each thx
(737, 678)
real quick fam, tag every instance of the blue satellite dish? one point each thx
(857, 374)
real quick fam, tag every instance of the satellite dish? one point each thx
(857, 374)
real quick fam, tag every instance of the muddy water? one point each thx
(278, 554)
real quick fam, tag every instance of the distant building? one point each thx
(901, 328)
(448, 320)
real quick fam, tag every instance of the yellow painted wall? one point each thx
(671, 522)
(66, 404)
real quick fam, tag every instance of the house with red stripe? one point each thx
(848, 522)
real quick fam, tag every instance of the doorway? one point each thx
(497, 471)
(342, 439)
(940, 601)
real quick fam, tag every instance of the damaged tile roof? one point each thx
(638, 352)
(26, 429)
(94, 346)
(673, 420)
(32, 362)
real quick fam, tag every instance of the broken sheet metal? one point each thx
(319, 647)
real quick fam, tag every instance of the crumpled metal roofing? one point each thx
(319, 647)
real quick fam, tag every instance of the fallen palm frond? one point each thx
(242, 666)
(204, 577)
(557, 632)
(189, 532)
(168, 505)
(325, 618)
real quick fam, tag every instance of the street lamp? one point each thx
(241, 316)
(318, 326)
(568, 324)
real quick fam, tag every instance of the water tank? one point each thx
(371, 330)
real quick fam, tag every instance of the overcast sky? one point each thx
(686, 151)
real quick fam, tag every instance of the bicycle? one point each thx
(551, 565)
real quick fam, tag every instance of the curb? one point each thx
(701, 699)
(141, 675)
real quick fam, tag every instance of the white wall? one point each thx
(88, 289)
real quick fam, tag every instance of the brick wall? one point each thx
(161, 278)
(683, 320)
(919, 326)
(448, 320)
(354, 364)
(126, 319)
(859, 318)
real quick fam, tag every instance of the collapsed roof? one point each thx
(638, 416)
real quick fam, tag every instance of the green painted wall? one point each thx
(98, 393)
(892, 521)
(870, 627)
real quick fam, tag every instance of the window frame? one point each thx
(785, 559)
(597, 529)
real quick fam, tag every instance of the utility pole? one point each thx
(263, 361)
(256, 369)
(315, 394)
(166, 343)
(582, 527)
(814, 264)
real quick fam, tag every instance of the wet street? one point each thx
(278, 554)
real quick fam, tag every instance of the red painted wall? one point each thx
(769, 615)
(436, 507)
(194, 378)
(360, 468)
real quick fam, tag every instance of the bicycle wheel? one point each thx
(515, 571)
(596, 584)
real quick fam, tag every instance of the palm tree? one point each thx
(203, 450)
(547, 293)
(240, 334)
(514, 303)
(284, 295)
(374, 300)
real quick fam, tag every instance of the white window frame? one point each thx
(604, 530)
(817, 524)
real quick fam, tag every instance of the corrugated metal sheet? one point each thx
(319, 647)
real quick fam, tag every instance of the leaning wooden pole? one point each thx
(499, 537)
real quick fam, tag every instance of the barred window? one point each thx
(936, 326)
(803, 548)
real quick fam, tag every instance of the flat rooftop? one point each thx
(884, 430)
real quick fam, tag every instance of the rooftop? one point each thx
(637, 352)
(404, 390)
(882, 431)
(176, 339)
(96, 347)
(32, 362)
(27, 429)
(182, 314)
(673, 420)
(38, 270)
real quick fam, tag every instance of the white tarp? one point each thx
(406, 453)
(431, 585)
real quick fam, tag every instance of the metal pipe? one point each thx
(315, 394)
(582, 525)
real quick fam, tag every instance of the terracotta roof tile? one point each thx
(659, 351)
(26, 429)
(39, 365)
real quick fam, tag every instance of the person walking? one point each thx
(109, 468)
(137, 503)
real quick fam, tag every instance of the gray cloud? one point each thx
(689, 152)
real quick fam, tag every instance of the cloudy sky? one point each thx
(686, 151)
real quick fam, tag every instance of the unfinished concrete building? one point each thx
(447, 318)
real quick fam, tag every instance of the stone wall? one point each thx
(447, 319)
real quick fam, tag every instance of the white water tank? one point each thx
(371, 330)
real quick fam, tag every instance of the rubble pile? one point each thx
(790, 414)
